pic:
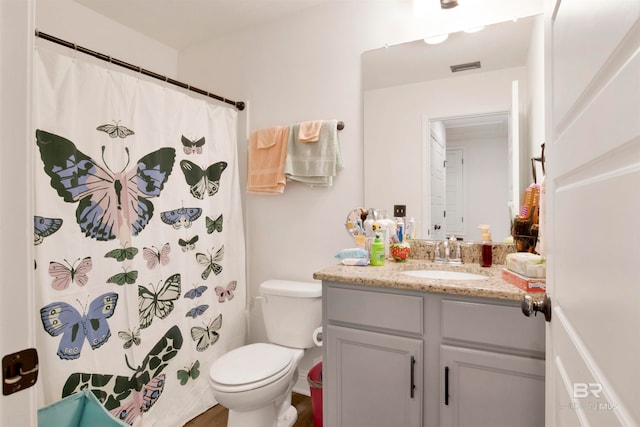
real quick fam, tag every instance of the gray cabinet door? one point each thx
(487, 389)
(369, 382)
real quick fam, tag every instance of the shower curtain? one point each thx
(139, 257)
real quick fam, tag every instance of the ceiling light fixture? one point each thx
(448, 4)
(436, 39)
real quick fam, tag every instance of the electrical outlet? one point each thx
(399, 211)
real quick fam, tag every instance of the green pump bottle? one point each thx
(377, 251)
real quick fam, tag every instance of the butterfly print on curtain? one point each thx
(127, 277)
(210, 262)
(129, 397)
(214, 225)
(63, 275)
(226, 293)
(189, 372)
(155, 256)
(115, 130)
(152, 303)
(121, 254)
(188, 245)
(196, 292)
(202, 182)
(60, 318)
(207, 335)
(108, 202)
(43, 227)
(190, 146)
(182, 217)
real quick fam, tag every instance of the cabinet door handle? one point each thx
(413, 383)
(446, 385)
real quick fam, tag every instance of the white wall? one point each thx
(535, 78)
(306, 67)
(395, 119)
(18, 313)
(485, 157)
(77, 24)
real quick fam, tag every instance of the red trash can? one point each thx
(314, 378)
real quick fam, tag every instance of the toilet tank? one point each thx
(292, 311)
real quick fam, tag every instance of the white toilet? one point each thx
(255, 381)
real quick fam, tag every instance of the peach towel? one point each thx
(267, 152)
(309, 131)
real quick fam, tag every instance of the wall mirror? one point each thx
(480, 118)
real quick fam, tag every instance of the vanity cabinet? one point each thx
(372, 381)
(374, 345)
(485, 388)
(409, 358)
(491, 365)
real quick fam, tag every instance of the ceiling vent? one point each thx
(448, 4)
(465, 67)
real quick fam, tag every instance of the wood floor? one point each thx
(217, 416)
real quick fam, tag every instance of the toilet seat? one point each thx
(251, 366)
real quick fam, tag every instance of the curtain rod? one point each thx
(238, 104)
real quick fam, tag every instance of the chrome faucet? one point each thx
(450, 246)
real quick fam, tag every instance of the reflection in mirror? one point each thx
(355, 221)
(473, 187)
(409, 88)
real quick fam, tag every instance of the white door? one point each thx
(17, 315)
(455, 192)
(514, 149)
(593, 236)
(438, 187)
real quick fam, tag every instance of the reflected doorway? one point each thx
(470, 186)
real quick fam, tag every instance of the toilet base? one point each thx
(263, 417)
(289, 418)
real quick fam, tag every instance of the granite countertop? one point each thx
(389, 275)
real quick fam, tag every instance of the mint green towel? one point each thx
(314, 163)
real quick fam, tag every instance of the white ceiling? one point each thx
(182, 23)
(498, 46)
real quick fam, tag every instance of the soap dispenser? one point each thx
(486, 247)
(377, 251)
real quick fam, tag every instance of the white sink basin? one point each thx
(444, 274)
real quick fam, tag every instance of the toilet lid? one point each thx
(251, 363)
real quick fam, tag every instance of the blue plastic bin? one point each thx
(81, 409)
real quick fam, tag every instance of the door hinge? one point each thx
(19, 371)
